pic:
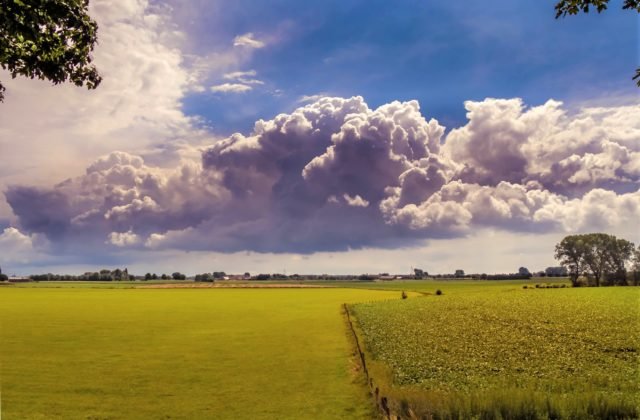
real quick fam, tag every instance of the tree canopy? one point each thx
(599, 255)
(49, 40)
(573, 7)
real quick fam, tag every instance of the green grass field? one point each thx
(505, 351)
(173, 353)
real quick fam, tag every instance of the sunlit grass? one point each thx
(106, 353)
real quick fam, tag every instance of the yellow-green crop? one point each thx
(540, 352)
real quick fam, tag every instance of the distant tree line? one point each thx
(336, 277)
(210, 277)
(102, 275)
(106, 275)
(599, 259)
(206, 277)
(522, 274)
(175, 276)
(508, 276)
(559, 271)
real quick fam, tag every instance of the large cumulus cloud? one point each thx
(336, 174)
(568, 154)
(118, 193)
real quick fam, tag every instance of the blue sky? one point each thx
(438, 52)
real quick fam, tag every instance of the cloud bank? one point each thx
(336, 175)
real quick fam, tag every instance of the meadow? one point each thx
(503, 351)
(89, 351)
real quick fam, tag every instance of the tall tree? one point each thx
(571, 254)
(597, 254)
(573, 7)
(49, 40)
(524, 271)
(607, 255)
(622, 252)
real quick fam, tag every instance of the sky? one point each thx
(343, 136)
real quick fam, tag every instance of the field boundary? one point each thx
(382, 402)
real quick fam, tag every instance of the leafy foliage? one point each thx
(598, 254)
(570, 252)
(48, 39)
(573, 7)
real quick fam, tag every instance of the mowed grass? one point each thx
(509, 352)
(174, 353)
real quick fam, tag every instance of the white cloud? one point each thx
(123, 239)
(240, 74)
(242, 78)
(597, 210)
(154, 240)
(311, 98)
(231, 88)
(248, 40)
(145, 205)
(12, 238)
(355, 201)
(251, 81)
(17, 247)
(571, 154)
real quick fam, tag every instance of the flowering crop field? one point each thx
(539, 352)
